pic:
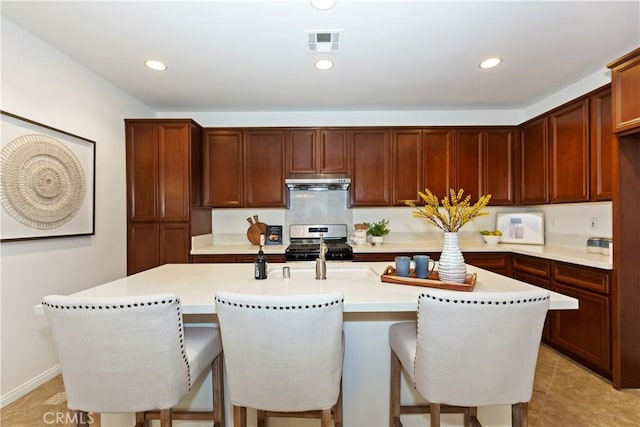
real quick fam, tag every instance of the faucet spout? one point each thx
(321, 264)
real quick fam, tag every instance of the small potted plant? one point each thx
(377, 230)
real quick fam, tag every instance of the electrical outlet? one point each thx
(594, 223)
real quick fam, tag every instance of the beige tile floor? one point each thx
(565, 395)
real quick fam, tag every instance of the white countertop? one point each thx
(572, 255)
(196, 285)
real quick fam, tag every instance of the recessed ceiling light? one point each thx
(323, 4)
(324, 64)
(155, 65)
(490, 62)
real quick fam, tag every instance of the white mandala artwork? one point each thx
(43, 183)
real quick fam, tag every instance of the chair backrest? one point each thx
(478, 349)
(282, 353)
(120, 354)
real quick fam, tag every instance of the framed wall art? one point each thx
(47, 181)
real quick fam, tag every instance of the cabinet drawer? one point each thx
(496, 262)
(582, 277)
(197, 259)
(531, 265)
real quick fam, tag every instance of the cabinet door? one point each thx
(222, 169)
(542, 283)
(333, 151)
(438, 160)
(601, 146)
(569, 150)
(142, 171)
(534, 163)
(625, 81)
(370, 168)
(499, 170)
(142, 246)
(469, 155)
(407, 167)
(301, 151)
(175, 243)
(584, 332)
(174, 175)
(264, 168)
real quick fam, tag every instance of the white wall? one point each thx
(41, 84)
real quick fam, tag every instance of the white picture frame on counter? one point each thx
(522, 227)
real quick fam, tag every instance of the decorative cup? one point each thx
(402, 266)
(422, 266)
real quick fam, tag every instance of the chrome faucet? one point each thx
(321, 263)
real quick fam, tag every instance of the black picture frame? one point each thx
(62, 164)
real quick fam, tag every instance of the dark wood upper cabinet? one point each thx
(469, 165)
(142, 171)
(408, 166)
(534, 163)
(439, 160)
(499, 166)
(222, 165)
(370, 167)
(264, 168)
(569, 153)
(317, 151)
(625, 83)
(601, 145)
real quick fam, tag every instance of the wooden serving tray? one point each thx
(433, 281)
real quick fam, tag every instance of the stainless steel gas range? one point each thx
(305, 242)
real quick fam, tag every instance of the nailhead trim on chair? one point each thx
(279, 307)
(455, 301)
(132, 305)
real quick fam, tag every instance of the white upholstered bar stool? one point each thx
(468, 350)
(283, 355)
(133, 354)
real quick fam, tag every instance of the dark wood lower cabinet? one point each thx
(234, 258)
(157, 243)
(584, 334)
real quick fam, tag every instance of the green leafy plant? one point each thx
(379, 228)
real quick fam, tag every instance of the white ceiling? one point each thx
(395, 55)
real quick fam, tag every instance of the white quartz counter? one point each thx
(196, 285)
(572, 255)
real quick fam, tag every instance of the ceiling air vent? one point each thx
(323, 41)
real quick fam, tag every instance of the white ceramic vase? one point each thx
(451, 267)
(377, 240)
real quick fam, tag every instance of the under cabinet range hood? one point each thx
(317, 182)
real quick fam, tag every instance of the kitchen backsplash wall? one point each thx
(565, 224)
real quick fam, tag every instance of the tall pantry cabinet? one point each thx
(164, 206)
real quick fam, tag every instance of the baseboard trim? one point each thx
(29, 386)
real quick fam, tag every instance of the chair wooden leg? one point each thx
(519, 414)
(166, 417)
(239, 416)
(262, 418)
(140, 420)
(337, 410)
(325, 418)
(217, 379)
(82, 419)
(435, 414)
(394, 392)
(471, 417)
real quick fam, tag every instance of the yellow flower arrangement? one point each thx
(457, 211)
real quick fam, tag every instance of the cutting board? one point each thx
(255, 230)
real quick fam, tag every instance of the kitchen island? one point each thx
(370, 306)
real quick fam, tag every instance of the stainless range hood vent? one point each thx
(318, 182)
